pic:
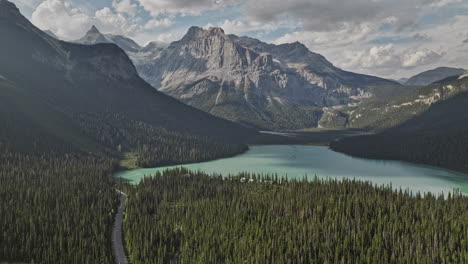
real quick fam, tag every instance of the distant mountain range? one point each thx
(79, 95)
(431, 76)
(137, 53)
(243, 79)
(407, 103)
(275, 87)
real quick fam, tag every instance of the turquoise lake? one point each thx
(297, 161)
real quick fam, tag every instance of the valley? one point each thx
(221, 148)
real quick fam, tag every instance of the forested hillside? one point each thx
(91, 99)
(437, 137)
(187, 217)
(56, 209)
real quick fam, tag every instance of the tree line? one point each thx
(448, 149)
(154, 146)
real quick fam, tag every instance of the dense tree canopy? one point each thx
(448, 149)
(56, 209)
(187, 217)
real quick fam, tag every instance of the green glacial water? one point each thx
(297, 161)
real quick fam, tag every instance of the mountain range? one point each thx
(274, 87)
(434, 131)
(245, 80)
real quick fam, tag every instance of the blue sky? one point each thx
(388, 38)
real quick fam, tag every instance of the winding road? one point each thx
(117, 243)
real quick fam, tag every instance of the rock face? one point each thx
(429, 77)
(246, 80)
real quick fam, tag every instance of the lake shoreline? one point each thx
(297, 161)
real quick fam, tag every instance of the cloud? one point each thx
(125, 6)
(116, 23)
(343, 36)
(388, 58)
(379, 37)
(26, 3)
(61, 18)
(182, 7)
(421, 37)
(238, 27)
(70, 23)
(158, 23)
(170, 36)
(317, 15)
(383, 56)
(441, 3)
(419, 57)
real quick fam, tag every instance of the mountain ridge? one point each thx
(263, 88)
(434, 75)
(435, 136)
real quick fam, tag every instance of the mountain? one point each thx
(94, 36)
(404, 105)
(154, 46)
(431, 76)
(133, 50)
(139, 55)
(91, 97)
(258, 84)
(435, 136)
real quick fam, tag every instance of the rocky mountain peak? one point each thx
(216, 31)
(250, 81)
(193, 32)
(198, 32)
(93, 36)
(296, 47)
(94, 30)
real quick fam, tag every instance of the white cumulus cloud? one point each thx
(374, 57)
(441, 3)
(158, 23)
(61, 18)
(343, 36)
(71, 23)
(419, 57)
(125, 6)
(238, 27)
(108, 21)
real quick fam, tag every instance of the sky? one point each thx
(387, 38)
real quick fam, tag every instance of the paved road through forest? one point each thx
(117, 243)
